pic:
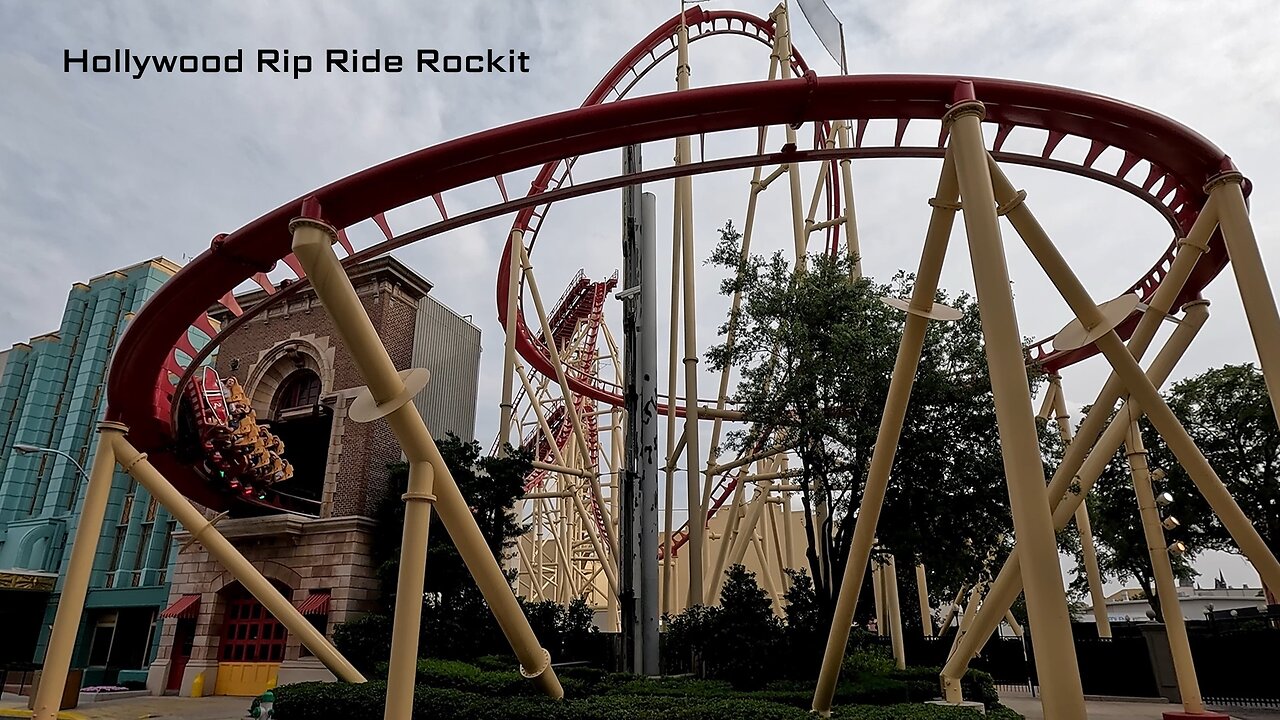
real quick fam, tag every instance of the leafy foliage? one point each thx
(456, 621)
(815, 351)
(1228, 413)
(447, 689)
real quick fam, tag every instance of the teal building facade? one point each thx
(52, 395)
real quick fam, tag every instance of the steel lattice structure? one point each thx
(1188, 180)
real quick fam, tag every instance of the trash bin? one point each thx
(70, 691)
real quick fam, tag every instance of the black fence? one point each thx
(1234, 661)
(1237, 666)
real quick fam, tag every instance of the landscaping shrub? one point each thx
(321, 701)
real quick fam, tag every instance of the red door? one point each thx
(183, 637)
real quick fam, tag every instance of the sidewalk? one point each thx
(160, 708)
(1029, 707)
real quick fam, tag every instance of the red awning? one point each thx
(316, 604)
(187, 606)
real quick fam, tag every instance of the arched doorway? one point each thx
(252, 644)
(299, 419)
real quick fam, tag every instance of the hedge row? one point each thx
(898, 686)
(316, 701)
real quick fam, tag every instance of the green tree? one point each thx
(815, 351)
(491, 485)
(1228, 413)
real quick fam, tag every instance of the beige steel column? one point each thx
(894, 610)
(895, 410)
(782, 51)
(850, 216)
(62, 639)
(1006, 588)
(952, 609)
(1166, 587)
(1007, 585)
(1251, 278)
(509, 345)
(1062, 696)
(922, 591)
(1083, 526)
(313, 246)
(1157, 410)
(684, 196)
(1189, 249)
(137, 465)
(877, 595)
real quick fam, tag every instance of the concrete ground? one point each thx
(234, 708)
(161, 708)
(1029, 707)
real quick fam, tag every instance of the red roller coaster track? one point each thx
(1177, 160)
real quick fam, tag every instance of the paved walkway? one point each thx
(161, 708)
(1108, 709)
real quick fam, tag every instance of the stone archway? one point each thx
(286, 357)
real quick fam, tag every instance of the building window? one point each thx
(300, 390)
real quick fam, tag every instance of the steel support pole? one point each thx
(66, 622)
(1251, 279)
(1007, 587)
(1008, 583)
(631, 515)
(1166, 587)
(895, 410)
(1062, 696)
(646, 463)
(509, 344)
(191, 519)
(922, 592)
(894, 609)
(313, 246)
(688, 262)
(1140, 388)
(1083, 526)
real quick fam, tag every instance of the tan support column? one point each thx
(1092, 573)
(894, 610)
(922, 592)
(388, 396)
(402, 671)
(919, 311)
(1092, 320)
(684, 199)
(509, 344)
(1251, 278)
(1166, 586)
(877, 593)
(1007, 585)
(137, 465)
(1062, 696)
(62, 640)
(952, 609)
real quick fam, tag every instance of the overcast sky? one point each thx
(98, 171)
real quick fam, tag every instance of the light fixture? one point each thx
(1158, 474)
(1164, 499)
(1170, 523)
(1177, 548)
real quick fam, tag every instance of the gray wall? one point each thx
(448, 346)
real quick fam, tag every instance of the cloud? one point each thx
(100, 171)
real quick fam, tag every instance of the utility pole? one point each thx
(638, 534)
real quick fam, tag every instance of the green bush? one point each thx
(321, 701)
(364, 641)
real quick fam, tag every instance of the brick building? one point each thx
(301, 381)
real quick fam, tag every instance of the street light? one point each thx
(24, 449)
